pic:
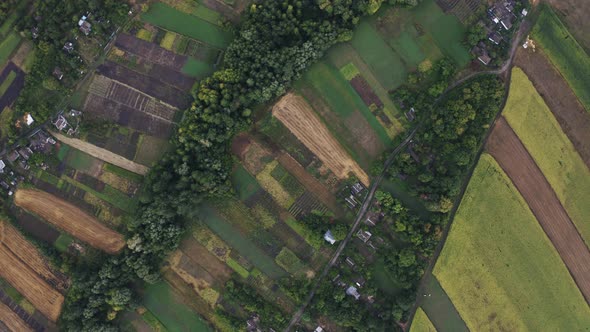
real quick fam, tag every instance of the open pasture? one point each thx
(70, 218)
(294, 112)
(499, 268)
(171, 19)
(559, 97)
(37, 291)
(536, 127)
(564, 52)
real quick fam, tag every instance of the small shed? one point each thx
(329, 237)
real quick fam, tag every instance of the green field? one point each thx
(440, 309)
(186, 24)
(167, 307)
(79, 160)
(196, 68)
(244, 184)
(7, 46)
(499, 268)
(63, 242)
(384, 63)
(553, 152)
(564, 52)
(421, 323)
(7, 82)
(240, 242)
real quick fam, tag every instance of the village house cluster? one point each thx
(502, 16)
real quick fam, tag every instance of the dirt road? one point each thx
(518, 164)
(70, 218)
(557, 94)
(102, 154)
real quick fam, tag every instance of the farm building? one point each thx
(495, 37)
(84, 25)
(61, 123)
(484, 58)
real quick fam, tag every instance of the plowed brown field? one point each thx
(41, 295)
(12, 320)
(518, 164)
(294, 112)
(571, 115)
(26, 252)
(70, 218)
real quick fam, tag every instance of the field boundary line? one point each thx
(103, 154)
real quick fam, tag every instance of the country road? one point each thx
(363, 210)
(524, 28)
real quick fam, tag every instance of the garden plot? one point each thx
(462, 9)
(294, 112)
(150, 52)
(200, 280)
(34, 226)
(70, 218)
(12, 321)
(146, 84)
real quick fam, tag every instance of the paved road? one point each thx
(359, 218)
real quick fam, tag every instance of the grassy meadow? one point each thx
(421, 323)
(499, 268)
(7, 46)
(174, 20)
(553, 152)
(564, 52)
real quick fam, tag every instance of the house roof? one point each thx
(485, 59)
(495, 37)
(329, 237)
(29, 119)
(352, 291)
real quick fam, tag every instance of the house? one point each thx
(13, 156)
(329, 237)
(2, 166)
(495, 37)
(349, 262)
(357, 188)
(411, 114)
(68, 47)
(352, 291)
(484, 58)
(57, 73)
(25, 153)
(363, 235)
(318, 329)
(86, 28)
(506, 22)
(524, 12)
(29, 119)
(35, 32)
(60, 123)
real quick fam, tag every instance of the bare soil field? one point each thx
(567, 109)
(103, 154)
(43, 297)
(360, 85)
(14, 241)
(149, 85)
(294, 112)
(70, 218)
(194, 250)
(13, 90)
(34, 226)
(150, 51)
(308, 181)
(574, 13)
(518, 164)
(11, 320)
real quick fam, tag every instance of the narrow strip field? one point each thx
(70, 218)
(294, 112)
(26, 252)
(515, 160)
(555, 155)
(43, 297)
(498, 266)
(103, 154)
(12, 321)
(557, 94)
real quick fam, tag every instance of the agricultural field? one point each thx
(565, 53)
(498, 266)
(421, 323)
(539, 131)
(559, 97)
(70, 218)
(572, 13)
